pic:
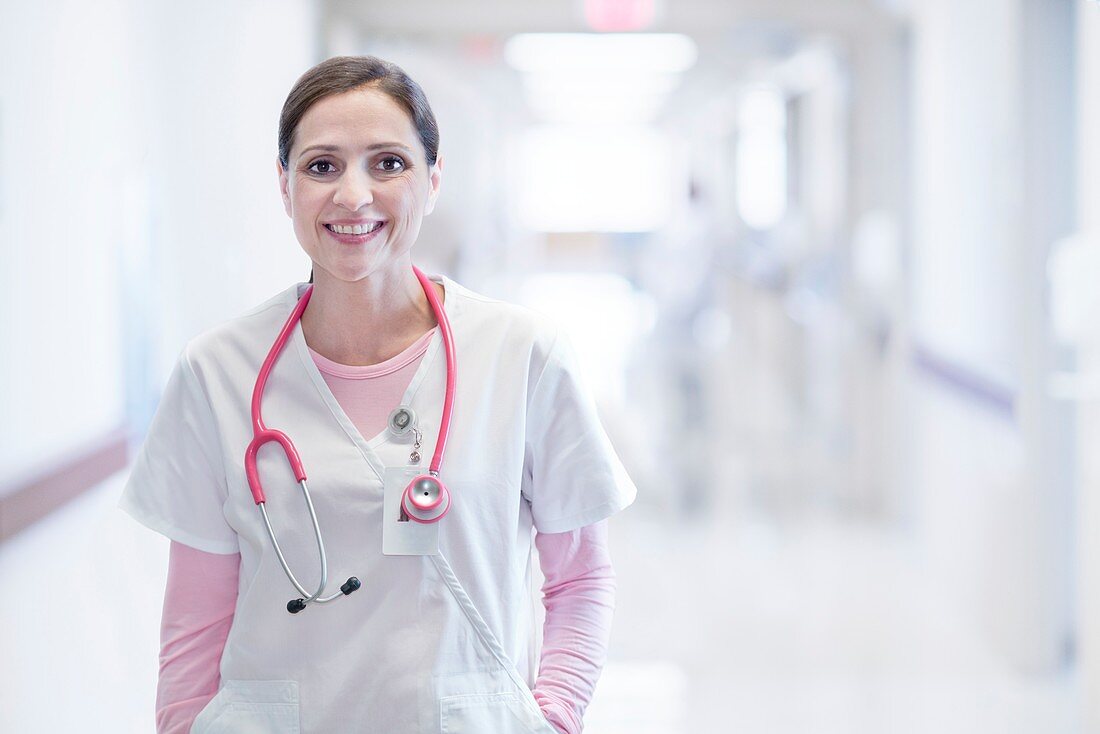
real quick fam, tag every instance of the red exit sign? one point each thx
(619, 15)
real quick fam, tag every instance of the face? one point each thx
(357, 185)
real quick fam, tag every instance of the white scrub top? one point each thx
(403, 654)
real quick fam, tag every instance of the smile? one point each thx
(355, 229)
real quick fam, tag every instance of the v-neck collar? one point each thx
(367, 447)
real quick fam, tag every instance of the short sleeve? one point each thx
(177, 486)
(572, 476)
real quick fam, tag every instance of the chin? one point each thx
(354, 275)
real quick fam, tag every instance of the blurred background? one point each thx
(834, 268)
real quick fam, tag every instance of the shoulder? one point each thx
(242, 340)
(524, 328)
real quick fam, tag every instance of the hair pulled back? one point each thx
(346, 73)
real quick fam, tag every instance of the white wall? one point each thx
(218, 77)
(992, 156)
(138, 198)
(967, 178)
(66, 115)
(1088, 504)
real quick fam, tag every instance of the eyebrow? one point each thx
(336, 148)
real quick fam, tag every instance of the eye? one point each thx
(391, 164)
(321, 166)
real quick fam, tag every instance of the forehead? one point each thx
(356, 119)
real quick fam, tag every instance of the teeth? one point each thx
(354, 228)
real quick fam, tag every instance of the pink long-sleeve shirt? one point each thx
(201, 594)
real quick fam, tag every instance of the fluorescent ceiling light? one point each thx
(599, 97)
(671, 53)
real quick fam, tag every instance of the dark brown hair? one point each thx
(346, 73)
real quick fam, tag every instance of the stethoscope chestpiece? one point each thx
(426, 499)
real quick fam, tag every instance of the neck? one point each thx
(370, 320)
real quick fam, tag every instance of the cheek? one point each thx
(413, 198)
(306, 201)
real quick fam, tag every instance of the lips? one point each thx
(354, 229)
(354, 234)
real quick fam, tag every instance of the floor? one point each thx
(814, 627)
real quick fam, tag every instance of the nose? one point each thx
(353, 190)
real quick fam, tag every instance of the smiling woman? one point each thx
(374, 366)
(357, 172)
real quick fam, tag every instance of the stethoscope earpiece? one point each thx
(296, 605)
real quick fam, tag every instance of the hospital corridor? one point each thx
(825, 273)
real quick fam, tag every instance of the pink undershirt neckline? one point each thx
(363, 372)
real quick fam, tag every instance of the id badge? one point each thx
(401, 536)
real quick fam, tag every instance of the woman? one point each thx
(440, 636)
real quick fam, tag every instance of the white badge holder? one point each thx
(401, 536)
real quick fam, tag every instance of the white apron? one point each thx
(428, 644)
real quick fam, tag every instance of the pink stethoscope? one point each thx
(425, 500)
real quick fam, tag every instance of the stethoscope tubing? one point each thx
(262, 435)
(449, 351)
(315, 597)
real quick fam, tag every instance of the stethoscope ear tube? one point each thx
(297, 605)
(320, 546)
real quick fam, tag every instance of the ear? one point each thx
(284, 186)
(435, 176)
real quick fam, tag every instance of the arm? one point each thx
(200, 599)
(579, 596)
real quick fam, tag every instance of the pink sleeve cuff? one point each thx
(579, 597)
(560, 715)
(200, 599)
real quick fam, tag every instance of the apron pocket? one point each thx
(499, 713)
(251, 707)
